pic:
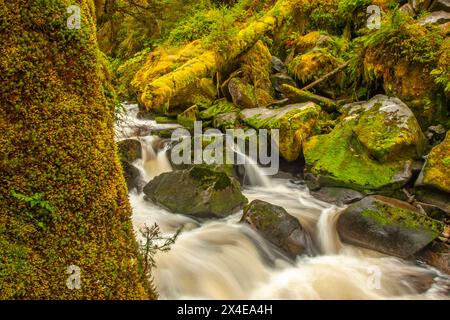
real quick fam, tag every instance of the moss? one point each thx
(436, 172)
(219, 106)
(205, 175)
(340, 158)
(165, 120)
(57, 139)
(188, 117)
(389, 215)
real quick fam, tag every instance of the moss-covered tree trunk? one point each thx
(157, 93)
(57, 147)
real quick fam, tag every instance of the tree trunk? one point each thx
(57, 146)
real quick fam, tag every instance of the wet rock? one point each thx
(387, 225)
(133, 177)
(245, 95)
(436, 171)
(200, 191)
(371, 148)
(420, 5)
(437, 254)
(279, 79)
(295, 123)
(440, 5)
(226, 120)
(433, 197)
(277, 226)
(435, 134)
(130, 150)
(339, 196)
(437, 17)
(278, 66)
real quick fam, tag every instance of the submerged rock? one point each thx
(130, 150)
(200, 191)
(295, 123)
(277, 226)
(387, 225)
(436, 171)
(370, 149)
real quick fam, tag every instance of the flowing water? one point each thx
(224, 259)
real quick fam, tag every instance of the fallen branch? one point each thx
(325, 77)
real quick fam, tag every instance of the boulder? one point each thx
(339, 196)
(387, 225)
(130, 150)
(436, 171)
(277, 226)
(440, 5)
(420, 5)
(371, 148)
(133, 177)
(295, 123)
(387, 129)
(200, 191)
(436, 17)
(246, 95)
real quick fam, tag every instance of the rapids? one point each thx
(223, 259)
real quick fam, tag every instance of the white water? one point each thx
(223, 259)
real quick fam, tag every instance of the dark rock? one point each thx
(130, 150)
(277, 226)
(437, 254)
(200, 191)
(279, 79)
(339, 196)
(433, 197)
(420, 5)
(278, 65)
(133, 177)
(387, 225)
(440, 5)
(435, 134)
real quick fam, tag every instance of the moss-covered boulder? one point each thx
(400, 57)
(295, 123)
(387, 129)
(57, 147)
(358, 156)
(387, 225)
(436, 172)
(200, 191)
(277, 226)
(246, 95)
(188, 117)
(256, 65)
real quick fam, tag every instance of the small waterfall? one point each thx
(154, 157)
(253, 171)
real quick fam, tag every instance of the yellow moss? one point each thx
(57, 139)
(437, 169)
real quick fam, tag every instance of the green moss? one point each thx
(339, 157)
(204, 175)
(58, 139)
(188, 117)
(219, 106)
(388, 215)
